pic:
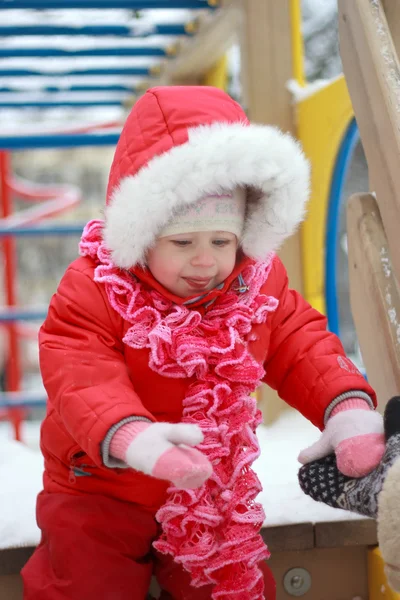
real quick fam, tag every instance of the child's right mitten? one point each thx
(163, 450)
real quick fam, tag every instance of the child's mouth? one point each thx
(197, 284)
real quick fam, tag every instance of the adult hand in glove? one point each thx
(163, 450)
(355, 433)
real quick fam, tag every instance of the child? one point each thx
(176, 311)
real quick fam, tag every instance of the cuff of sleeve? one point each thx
(346, 396)
(110, 461)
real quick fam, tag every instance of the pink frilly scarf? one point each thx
(213, 531)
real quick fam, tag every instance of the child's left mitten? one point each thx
(355, 433)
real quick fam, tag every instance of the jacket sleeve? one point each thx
(305, 363)
(82, 363)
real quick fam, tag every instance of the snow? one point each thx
(284, 503)
(301, 93)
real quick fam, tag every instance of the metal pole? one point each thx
(134, 30)
(13, 359)
(123, 72)
(102, 4)
(43, 104)
(86, 52)
(69, 140)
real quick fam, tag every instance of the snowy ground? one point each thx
(284, 502)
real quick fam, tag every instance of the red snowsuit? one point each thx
(101, 520)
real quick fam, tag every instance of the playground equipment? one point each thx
(269, 34)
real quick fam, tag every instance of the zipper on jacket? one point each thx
(75, 471)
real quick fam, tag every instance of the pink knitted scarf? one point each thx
(213, 531)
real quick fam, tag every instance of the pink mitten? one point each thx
(164, 451)
(355, 433)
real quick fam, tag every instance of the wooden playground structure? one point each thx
(333, 560)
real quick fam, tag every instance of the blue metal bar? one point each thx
(43, 104)
(124, 71)
(15, 314)
(68, 140)
(82, 52)
(53, 89)
(42, 230)
(22, 399)
(102, 4)
(173, 29)
(338, 182)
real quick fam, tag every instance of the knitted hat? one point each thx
(212, 212)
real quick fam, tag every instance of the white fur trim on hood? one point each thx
(216, 157)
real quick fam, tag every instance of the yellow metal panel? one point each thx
(322, 120)
(297, 42)
(218, 75)
(377, 584)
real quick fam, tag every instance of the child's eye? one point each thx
(221, 242)
(181, 243)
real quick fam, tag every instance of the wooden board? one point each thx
(336, 573)
(216, 33)
(372, 74)
(266, 66)
(298, 536)
(10, 587)
(392, 12)
(374, 296)
(339, 534)
(13, 559)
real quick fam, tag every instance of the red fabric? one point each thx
(94, 381)
(305, 363)
(113, 559)
(160, 121)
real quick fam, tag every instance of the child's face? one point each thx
(190, 263)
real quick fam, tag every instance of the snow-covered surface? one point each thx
(301, 93)
(284, 503)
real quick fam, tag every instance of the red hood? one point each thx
(160, 121)
(181, 142)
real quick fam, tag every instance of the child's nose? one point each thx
(203, 258)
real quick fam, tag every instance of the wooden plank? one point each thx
(216, 33)
(13, 559)
(338, 534)
(266, 66)
(336, 573)
(11, 587)
(374, 296)
(392, 12)
(297, 536)
(266, 50)
(372, 73)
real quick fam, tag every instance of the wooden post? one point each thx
(392, 12)
(374, 295)
(266, 66)
(372, 73)
(198, 55)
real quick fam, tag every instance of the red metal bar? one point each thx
(13, 359)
